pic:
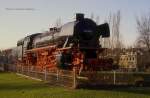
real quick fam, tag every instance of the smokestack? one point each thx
(79, 16)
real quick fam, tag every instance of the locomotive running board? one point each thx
(42, 48)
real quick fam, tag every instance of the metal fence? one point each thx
(71, 79)
(58, 77)
(113, 78)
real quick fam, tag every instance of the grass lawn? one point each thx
(14, 86)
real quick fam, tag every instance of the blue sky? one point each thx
(15, 24)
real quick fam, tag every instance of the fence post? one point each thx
(22, 69)
(28, 70)
(114, 77)
(17, 69)
(45, 78)
(57, 74)
(36, 71)
(74, 78)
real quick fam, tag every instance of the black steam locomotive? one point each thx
(82, 34)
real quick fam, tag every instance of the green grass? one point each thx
(14, 86)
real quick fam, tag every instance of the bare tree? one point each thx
(143, 27)
(116, 30)
(115, 39)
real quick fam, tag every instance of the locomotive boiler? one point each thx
(74, 44)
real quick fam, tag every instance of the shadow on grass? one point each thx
(126, 89)
(25, 86)
(3, 72)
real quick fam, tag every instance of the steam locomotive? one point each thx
(81, 35)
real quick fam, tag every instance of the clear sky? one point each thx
(16, 24)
